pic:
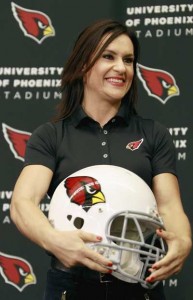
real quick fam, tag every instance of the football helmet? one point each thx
(118, 205)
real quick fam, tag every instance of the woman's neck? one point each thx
(102, 112)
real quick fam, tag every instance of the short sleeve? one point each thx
(41, 147)
(164, 155)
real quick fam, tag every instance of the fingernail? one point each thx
(150, 279)
(110, 264)
(99, 238)
(110, 271)
(160, 229)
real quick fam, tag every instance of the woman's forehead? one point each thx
(121, 43)
(122, 38)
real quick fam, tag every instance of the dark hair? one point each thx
(80, 62)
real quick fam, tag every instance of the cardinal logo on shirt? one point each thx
(16, 271)
(17, 140)
(158, 83)
(84, 191)
(34, 24)
(134, 145)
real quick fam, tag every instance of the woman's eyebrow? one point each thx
(114, 52)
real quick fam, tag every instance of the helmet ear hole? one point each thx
(78, 222)
(69, 217)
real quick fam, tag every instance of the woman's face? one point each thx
(111, 76)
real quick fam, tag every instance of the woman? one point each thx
(96, 121)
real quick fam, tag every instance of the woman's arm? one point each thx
(68, 247)
(178, 231)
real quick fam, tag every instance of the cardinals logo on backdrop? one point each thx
(16, 271)
(158, 83)
(84, 191)
(16, 139)
(134, 145)
(34, 24)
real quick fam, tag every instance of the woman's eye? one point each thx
(108, 56)
(128, 60)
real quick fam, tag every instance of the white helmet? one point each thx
(118, 205)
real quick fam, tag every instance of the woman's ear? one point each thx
(84, 74)
(84, 68)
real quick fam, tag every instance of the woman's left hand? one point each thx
(178, 250)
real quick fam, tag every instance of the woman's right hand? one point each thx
(70, 249)
(68, 246)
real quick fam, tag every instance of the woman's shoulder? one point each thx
(49, 127)
(149, 123)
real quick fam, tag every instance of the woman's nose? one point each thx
(119, 65)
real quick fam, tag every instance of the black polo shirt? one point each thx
(142, 146)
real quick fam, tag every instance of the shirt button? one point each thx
(103, 143)
(113, 121)
(105, 155)
(105, 131)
